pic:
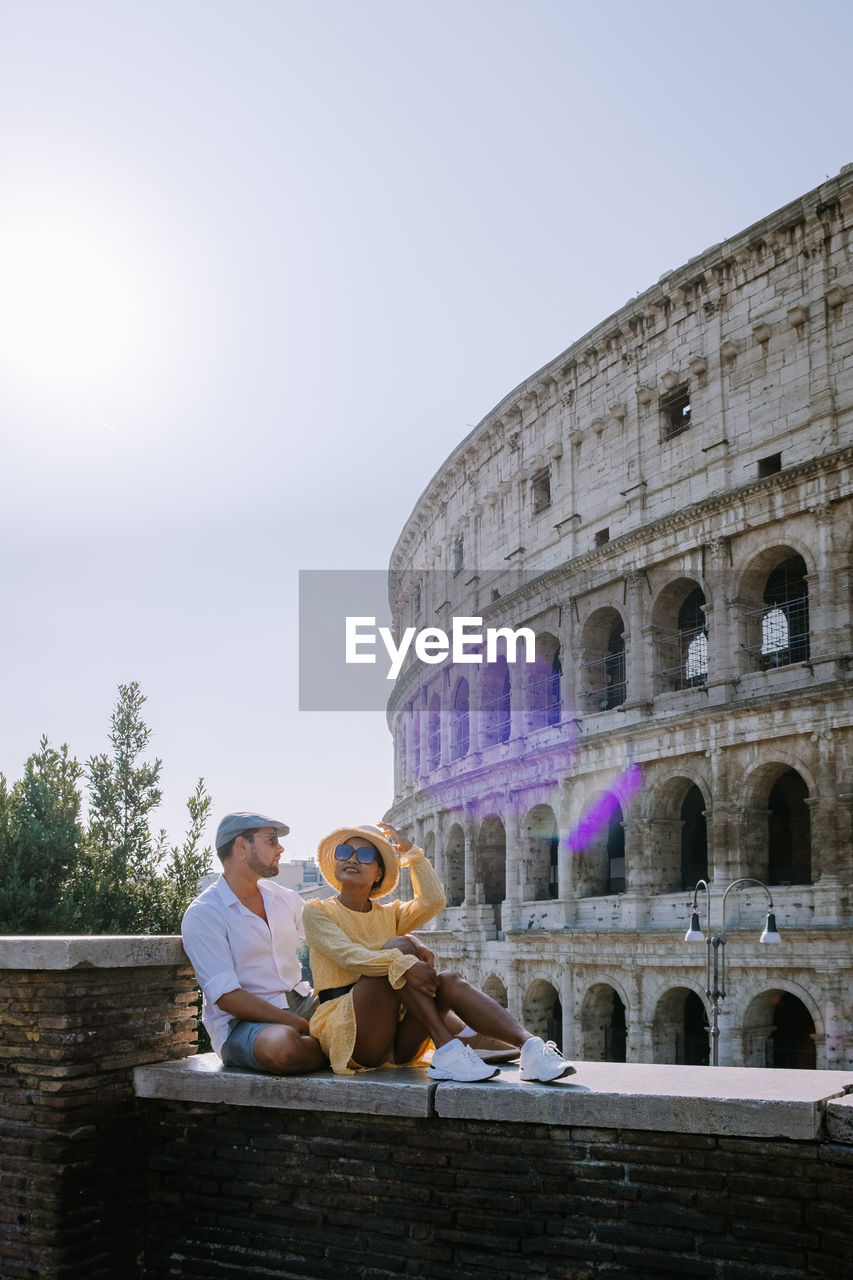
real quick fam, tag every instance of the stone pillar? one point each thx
(79, 1013)
(470, 864)
(640, 853)
(565, 855)
(639, 648)
(723, 657)
(513, 826)
(439, 826)
(514, 993)
(423, 723)
(444, 721)
(828, 851)
(722, 822)
(571, 1039)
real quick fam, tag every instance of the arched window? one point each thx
(604, 665)
(682, 655)
(694, 839)
(459, 722)
(789, 852)
(791, 1043)
(779, 631)
(434, 732)
(604, 1025)
(544, 682)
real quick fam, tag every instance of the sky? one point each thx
(263, 266)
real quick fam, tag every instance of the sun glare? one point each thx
(74, 305)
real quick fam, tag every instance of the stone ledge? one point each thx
(407, 1091)
(839, 1120)
(98, 951)
(722, 1101)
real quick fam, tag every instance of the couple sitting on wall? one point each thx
(379, 999)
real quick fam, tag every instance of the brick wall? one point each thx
(250, 1192)
(72, 1177)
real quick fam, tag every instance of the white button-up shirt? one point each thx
(230, 947)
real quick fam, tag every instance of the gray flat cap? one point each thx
(234, 824)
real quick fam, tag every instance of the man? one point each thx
(241, 936)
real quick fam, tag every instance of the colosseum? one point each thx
(667, 506)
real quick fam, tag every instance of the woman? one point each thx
(380, 997)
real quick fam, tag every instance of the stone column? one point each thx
(514, 993)
(565, 854)
(470, 829)
(641, 851)
(828, 851)
(513, 826)
(723, 658)
(439, 826)
(640, 648)
(571, 1039)
(722, 822)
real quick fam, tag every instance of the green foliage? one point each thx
(115, 877)
(40, 841)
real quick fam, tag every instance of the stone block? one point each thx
(406, 1091)
(735, 1101)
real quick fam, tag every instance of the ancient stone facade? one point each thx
(667, 505)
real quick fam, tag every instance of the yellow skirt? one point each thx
(334, 1025)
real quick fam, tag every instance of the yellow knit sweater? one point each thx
(346, 944)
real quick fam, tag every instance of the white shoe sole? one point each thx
(435, 1074)
(566, 1071)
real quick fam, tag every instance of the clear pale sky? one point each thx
(263, 265)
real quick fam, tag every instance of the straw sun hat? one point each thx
(326, 857)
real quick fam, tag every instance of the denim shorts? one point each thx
(238, 1050)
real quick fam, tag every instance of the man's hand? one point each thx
(248, 1008)
(422, 977)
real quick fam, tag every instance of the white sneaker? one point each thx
(456, 1061)
(543, 1062)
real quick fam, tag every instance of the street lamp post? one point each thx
(715, 988)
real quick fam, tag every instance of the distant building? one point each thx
(668, 506)
(303, 875)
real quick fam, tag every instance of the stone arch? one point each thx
(604, 1024)
(679, 852)
(460, 730)
(777, 845)
(539, 858)
(681, 636)
(597, 846)
(543, 683)
(680, 1028)
(494, 987)
(782, 1027)
(774, 592)
(454, 866)
(491, 859)
(542, 1013)
(603, 683)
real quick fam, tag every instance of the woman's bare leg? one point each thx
(483, 1014)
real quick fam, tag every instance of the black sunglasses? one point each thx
(345, 851)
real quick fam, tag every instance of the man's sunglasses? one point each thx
(343, 852)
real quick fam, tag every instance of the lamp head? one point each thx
(694, 933)
(771, 933)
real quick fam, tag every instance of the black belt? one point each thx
(332, 993)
